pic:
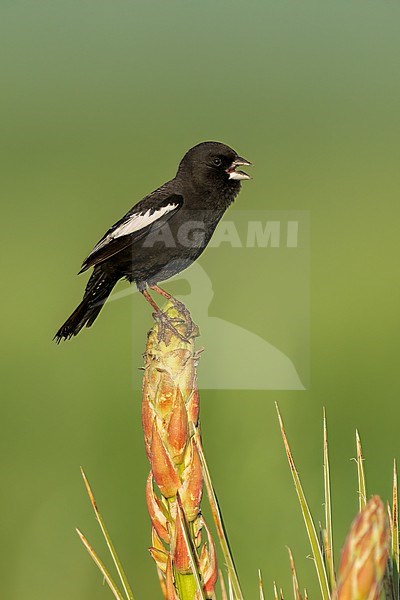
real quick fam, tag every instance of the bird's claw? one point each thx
(191, 328)
(165, 322)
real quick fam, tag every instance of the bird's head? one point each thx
(213, 163)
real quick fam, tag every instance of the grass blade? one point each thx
(231, 596)
(296, 589)
(117, 562)
(276, 596)
(219, 524)
(309, 523)
(112, 585)
(162, 584)
(362, 490)
(260, 585)
(395, 518)
(328, 538)
(395, 532)
(224, 595)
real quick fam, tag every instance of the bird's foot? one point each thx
(192, 330)
(177, 303)
(180, 306)
(166, 323)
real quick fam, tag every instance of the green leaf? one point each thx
(114, 555)
(296, 589)
(309, 523)
(218, 521)
(362, 490)
(112, 585)
(395, 532)
(260, 585)
(328, 537)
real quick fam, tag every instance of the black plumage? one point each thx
(163, 233)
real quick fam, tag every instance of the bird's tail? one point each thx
(98, 289)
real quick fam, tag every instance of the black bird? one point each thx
(163, 233)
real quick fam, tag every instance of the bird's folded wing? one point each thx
(132, 228)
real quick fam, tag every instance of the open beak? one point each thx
(233, 174)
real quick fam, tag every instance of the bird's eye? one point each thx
(217, 161)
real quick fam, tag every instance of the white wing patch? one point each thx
(136, 222)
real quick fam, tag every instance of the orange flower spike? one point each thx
(169, 580)
(193, 405)
(160, 557)
(197, 525)
(156, 541)
(208, 563)
(164, 396)
(147, 422)
(180, 553)
(177, 432)
(170, 409)
(156, 511)
(164, 472)
(192, 488)
(178, 361)
(151, 376)
(186, 379)
(365, 554)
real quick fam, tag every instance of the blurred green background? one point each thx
(99, 101)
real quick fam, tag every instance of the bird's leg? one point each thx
(181, 307)
(150, 300)
(161, 317)
(168, 296)
(160, 291)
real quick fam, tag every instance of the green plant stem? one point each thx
(218, 521)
